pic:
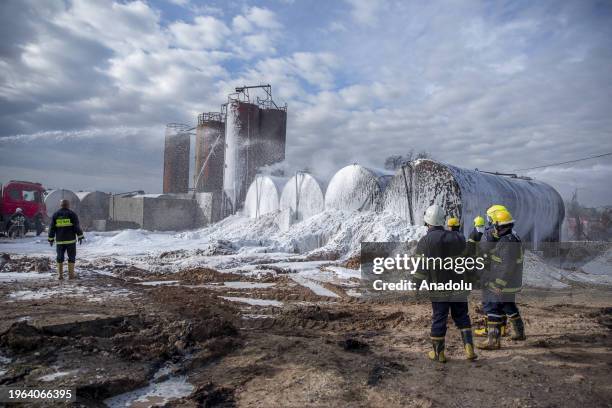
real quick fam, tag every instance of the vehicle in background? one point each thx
(30, 198)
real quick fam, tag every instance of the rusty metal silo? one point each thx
(255, 138)
(242, 134)
(176, 158)
(273, 132)
(209, 153)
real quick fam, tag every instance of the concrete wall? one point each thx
(209, 207)
(167, 213)
(129, 209)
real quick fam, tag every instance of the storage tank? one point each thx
(53, 198)
(356, 188)
(209, 153)
(176, 158)
(93, 206)
(263, 195)
(273, 132)
(302, 197)
(537, 207)
(242, 135)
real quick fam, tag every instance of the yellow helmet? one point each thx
(479, 221)
(453, 222)
(492, 209)
(502, 217)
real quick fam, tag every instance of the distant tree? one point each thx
(422, 155)
(396, 161)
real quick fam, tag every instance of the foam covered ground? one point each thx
(245, 245)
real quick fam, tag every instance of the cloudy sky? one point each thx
(86, 87)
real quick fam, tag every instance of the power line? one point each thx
(565, 162)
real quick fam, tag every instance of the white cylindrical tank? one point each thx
(93, 206)
(537, 207)
(355, 188)
(53, 198)
(263, 195)
(302, 197)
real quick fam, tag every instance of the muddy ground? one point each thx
(109, 334)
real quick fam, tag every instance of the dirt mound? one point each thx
(343, 317)
(210, 395)
(206, 275)
(351, 344)
(21, 337)
(604, 317)
(192, 303)
(352, 263)
(25, 264)
(315, 313)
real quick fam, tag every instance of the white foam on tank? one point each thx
(302, 197)
(353, 188)
(536, 207)
(263, 196)
(230, 175)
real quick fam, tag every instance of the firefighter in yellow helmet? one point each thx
(453, 224)
(502, 281)
(485, 245)
(475, 236)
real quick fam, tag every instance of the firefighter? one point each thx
(453, 224)
(472, 251)
(65, 231)
(439, 243)
(502, 281)
(475, 237)
(487, 242)
(17, 224)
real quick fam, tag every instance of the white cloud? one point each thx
(263, 18)
(366, 11)
(477, 87)
(206, 32)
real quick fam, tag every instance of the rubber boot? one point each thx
(503, 328)
(71, 274)
(482, 332)
(438, 350)
(518, 328)
(468, 344)
(60, 270)
(493, 337)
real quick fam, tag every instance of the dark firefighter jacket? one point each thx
(471, 248)
(439, 243)
(64, 227)
(506, 264)
(17, 218)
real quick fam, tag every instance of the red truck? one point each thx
(30, 198)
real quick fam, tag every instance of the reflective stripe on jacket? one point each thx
(65, 227)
